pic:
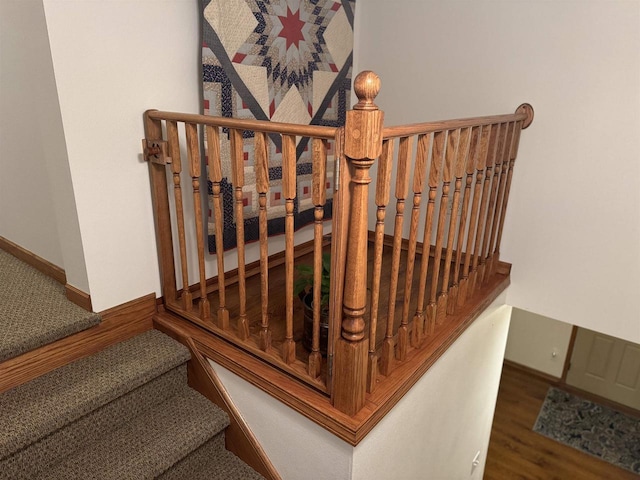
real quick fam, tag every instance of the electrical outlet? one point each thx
(475, 462)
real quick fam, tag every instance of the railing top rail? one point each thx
(316, 131)
(524, 113)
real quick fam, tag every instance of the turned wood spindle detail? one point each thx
(176, 170)
(289, 192)
(262, 187)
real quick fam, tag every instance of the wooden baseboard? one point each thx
(78, 297)
(238, 436)
(37, 262)
(118, 324)
(532, 372)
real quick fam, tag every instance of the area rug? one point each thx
(592, 428)
(279, 60)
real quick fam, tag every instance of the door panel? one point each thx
(606, 366)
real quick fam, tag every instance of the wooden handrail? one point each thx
(317, 131)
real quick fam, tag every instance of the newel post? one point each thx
(363, 144)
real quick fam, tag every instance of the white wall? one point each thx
(433, 432)
(112, 61)
(538, 342)
(27, 213)
(573, 227)
(436, 429)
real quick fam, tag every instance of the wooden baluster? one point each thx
(215, 177)
(363, 144)
(495, 164)
(404, 157)
(513, 152)
(383, 188)
(504, 165)
(437, 157)
(237, 177)
(193, 150)
(478, 166)
(477, 252)
(456, 288)
(402, 187)
(176, 170)
(262, 187)
(319, 197)
(160, 196)
(419, 171)
(435, 310)
(448, 297)
(289, 192)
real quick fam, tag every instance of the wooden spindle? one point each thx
(319, 197)
(470, 252)
(215, 177)
(176, 170)
(289, 192)
(419, 172)
(383, 190)
(495, 165)
(237, 177)
(193, 150)
(513, 152)
(437, 157)
(446, 296)
(160, 196)
(402, 187)
(262, 187)
(504, 165)
(404, 157)
(482, 209)
(456, 288)
(435, 311)
(363, 144)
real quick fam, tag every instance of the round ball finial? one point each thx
(366, 86)
(527, 109)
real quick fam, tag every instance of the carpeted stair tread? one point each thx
(38, 457)
(148, 445)
(211, 462)
(28, 414)
(35, 309)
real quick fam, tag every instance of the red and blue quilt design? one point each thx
(285, 61)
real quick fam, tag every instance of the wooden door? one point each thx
(606, 366)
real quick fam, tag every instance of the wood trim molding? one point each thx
(238, 436)
(532, 372)
(567, 360)
(78, 297)
(315, 405)
(118, 324)
(37, 262)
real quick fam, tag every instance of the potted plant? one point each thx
(303, 287)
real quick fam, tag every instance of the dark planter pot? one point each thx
(307, 338)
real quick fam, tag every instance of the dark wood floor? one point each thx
(516, 452)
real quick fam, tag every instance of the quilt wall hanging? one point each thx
(280, 60)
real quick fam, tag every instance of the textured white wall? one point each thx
(112, 61)
(573, 227)
(27, 212)
(437, 428)
(297, 447)
(533, 339)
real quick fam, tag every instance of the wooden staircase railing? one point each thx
(388, 302)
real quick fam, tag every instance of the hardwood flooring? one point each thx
(517, 452)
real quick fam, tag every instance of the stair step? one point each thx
(211, 462)
(27, 415)
(54, 448)
(148, 445)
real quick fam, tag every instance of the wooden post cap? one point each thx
(526, 109)
(366, 86)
